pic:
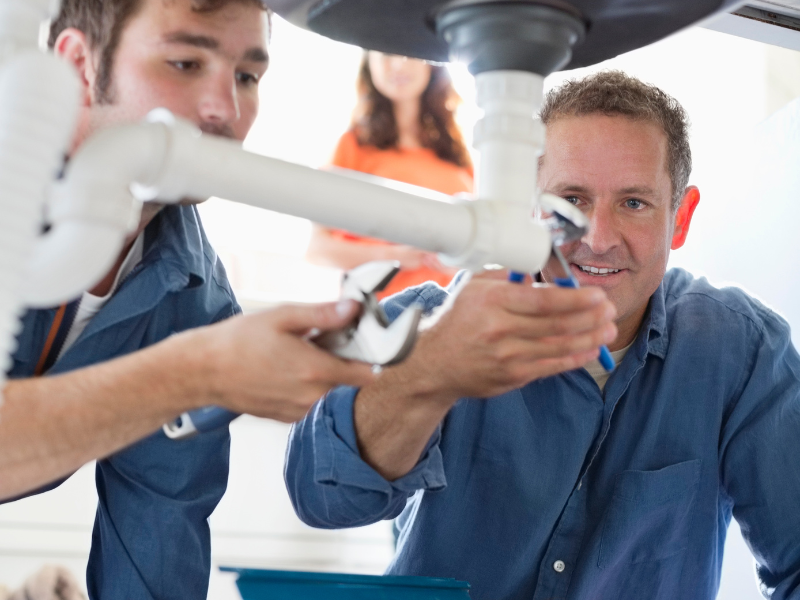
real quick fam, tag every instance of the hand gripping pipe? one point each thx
(171, 160)
(39, 99)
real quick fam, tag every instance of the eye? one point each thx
(248, 79)
(634, 203)
(185, 65)
(572, 200)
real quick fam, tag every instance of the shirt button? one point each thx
(559, 566)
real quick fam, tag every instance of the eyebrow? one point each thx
(634, 191)
(638, 191)
(254, 54)
(571, 188)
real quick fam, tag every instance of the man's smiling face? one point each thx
(615, 170)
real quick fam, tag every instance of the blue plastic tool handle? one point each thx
(563, 282)
(606, 360)
(210, 418)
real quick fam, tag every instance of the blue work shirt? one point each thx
(151, 536)
(558, 490)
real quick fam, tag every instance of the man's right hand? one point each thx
(499, 336)
(496, 337)
(264, 365)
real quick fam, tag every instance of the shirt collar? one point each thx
(173, 260)
(174, 247)
(653, 336)
(176, 241)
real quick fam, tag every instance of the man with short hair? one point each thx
(115, 373)
(201, 59)
(577, 485)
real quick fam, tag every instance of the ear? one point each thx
(72, 46)
(683, 216)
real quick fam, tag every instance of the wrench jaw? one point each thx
(374, 343)
(372, 339)
(369, 278)
(565, 222)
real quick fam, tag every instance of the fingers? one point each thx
(554, 366)
(520, 372)
(323, 368)
(527, 300)
(494, 274)
(534, 327)
(299, 319)
(263, 365)
(548, 300)
(568, 345)
(502, 275)
(317, 367)
(519, 352)
(287, 393)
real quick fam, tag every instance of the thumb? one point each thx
(332, 315)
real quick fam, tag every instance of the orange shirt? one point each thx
(417, 166)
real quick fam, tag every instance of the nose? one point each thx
(219, 101)
(604, 233)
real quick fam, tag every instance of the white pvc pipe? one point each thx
(196, 166)
(89, 227)
(39, 98)
(20, 21)
(469, 233)
(204, 165)
(190, 165)
(509, 137)
(332, 199)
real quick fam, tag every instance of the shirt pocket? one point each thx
(649, 517)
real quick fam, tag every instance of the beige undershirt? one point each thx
(598, 373)
(90, 304)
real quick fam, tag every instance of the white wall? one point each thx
(726, 84)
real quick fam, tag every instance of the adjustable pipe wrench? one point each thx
(370, 338)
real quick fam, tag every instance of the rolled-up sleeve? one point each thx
(329, 484)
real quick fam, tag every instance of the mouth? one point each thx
(596, 275)
(598, 271)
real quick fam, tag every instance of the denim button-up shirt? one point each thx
(151, 537)
(559, 490)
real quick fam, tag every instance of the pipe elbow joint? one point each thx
(504, 233)
(92, 211)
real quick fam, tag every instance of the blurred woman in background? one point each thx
(404, 129)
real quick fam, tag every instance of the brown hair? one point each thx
(374, 123)
(102, 21)
(615, 93)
